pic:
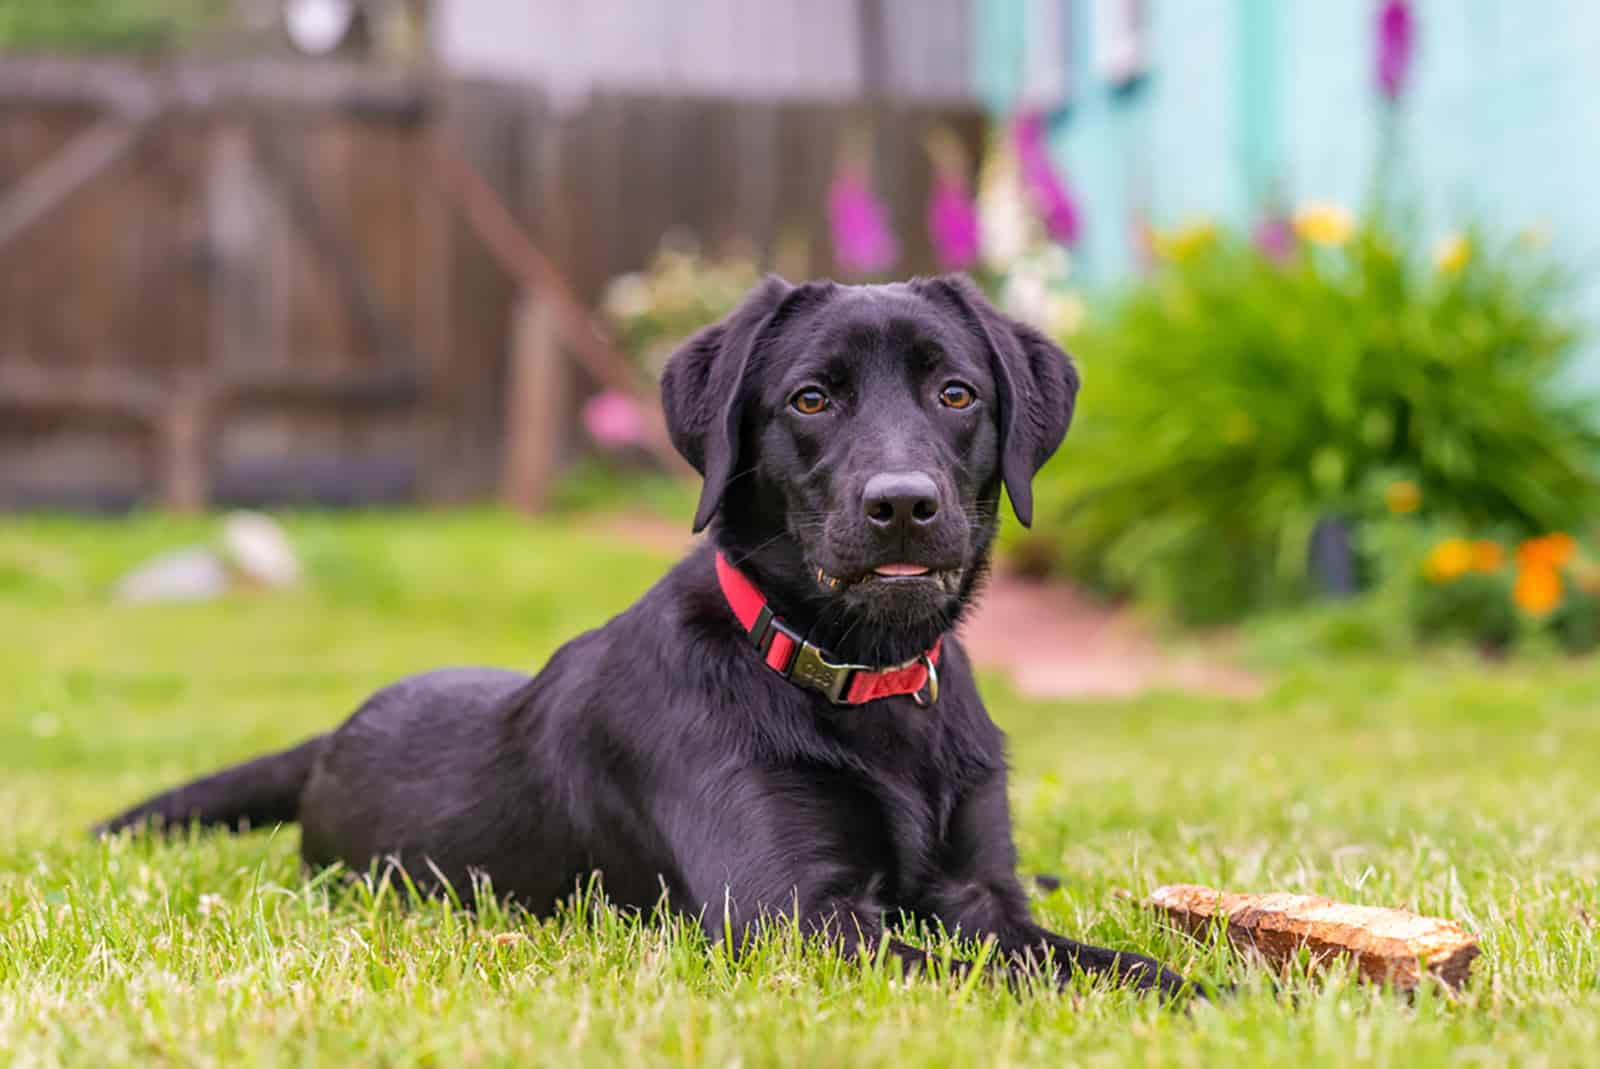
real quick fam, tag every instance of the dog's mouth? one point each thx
(893, 574)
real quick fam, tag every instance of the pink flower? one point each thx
(952, 224)
(862, 241)
(1274, 238)
(1396, 39)
(1048, 190)
(614, 420)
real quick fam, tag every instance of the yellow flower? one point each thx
(1403, 496)
(1487, 556)
(1324, 223)
(1549, 551)
(1452, 253)
(1449, 560)
(1064, 314)
(1187, 241)
(1538, 589)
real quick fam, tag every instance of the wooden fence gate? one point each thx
(267, 281)
(216, 285)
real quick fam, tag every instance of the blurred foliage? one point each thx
(102, 25)
(682, 290)
(1242, 393)
(603, 484)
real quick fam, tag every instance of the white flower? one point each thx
(627, 297)
(1005, 223)
(1053, 261)
(1027, 296)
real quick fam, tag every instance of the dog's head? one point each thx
(854, 441)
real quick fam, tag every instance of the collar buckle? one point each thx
(811, 669)
(807, 666)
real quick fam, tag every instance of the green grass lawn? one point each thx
(1436, 784)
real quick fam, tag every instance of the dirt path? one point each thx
(1055, 642)
(1052, 640)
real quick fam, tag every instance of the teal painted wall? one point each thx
(1500, 122)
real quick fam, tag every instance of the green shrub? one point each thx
(1231, 400)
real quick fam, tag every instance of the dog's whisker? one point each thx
(748, 554)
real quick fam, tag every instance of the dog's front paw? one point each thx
(1172, 987)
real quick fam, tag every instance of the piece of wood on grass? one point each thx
(1389, 946)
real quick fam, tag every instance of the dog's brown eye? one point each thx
(809, 402)
(955, 395)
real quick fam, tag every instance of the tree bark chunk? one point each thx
(1388, 946)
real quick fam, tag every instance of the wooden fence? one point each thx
(245, 284)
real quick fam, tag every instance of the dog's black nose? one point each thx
(900, 499)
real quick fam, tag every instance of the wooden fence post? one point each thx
(538, 402)
(183, 432)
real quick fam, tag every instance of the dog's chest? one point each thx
(916, 817)
(909, 794)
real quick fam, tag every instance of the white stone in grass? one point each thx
(184, 575)
(259, 550)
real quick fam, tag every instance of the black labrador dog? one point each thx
(783, 725)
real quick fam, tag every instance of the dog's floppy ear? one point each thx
(1036, 382)
(700, 389)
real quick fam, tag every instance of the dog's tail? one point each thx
(256, 794)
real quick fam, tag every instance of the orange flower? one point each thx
(1538, 589)
(1403, 496)
(1487, 556)
(1449, 560)
(1551, 550)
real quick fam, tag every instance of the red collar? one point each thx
(802, 663)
